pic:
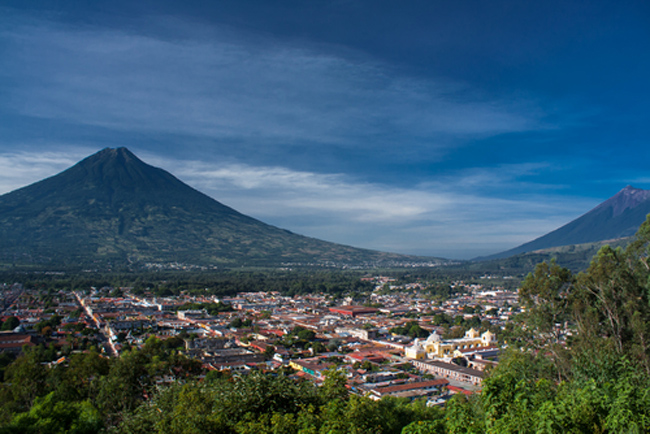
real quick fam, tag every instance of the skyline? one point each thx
(445, 129)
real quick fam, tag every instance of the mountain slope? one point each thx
(112, 206)
(618, 217)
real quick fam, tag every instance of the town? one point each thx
(397, 341)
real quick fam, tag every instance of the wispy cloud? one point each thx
(237, 86)
(442, 219)
(26, 167)
(430, 219)
(502, 180)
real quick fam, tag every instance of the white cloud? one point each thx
(431, 219)
(438, 219)
(278, 191)
(21, 168)
(233, 85)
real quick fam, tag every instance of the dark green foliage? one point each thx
(222, 283)
(440, 319)
(10, 323)
(26, 379)
(517, 398)
(440, 291)
(612, 301)
(464, 416)
(412, 329)
(303, 333)
(114, 387)
(546, 295)
(79, 380)
(5, 360)
(271, 404)
(52, 323)
(211, 308)
(94, 392)
(238, 323)
(49, 415)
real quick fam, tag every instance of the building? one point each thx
(12, 342)
(353, 311)
(450, 371)
(314, 367)
(191, 314)
(410, 390)
(360, 333)
(435, 346)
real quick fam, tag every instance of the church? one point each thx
(436, 347)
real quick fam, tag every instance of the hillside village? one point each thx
(398, 342)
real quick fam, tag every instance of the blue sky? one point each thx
(454, 129)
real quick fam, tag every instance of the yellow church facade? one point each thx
(436, 347)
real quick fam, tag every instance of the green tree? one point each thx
(27, 378)
(178, 409)
(81, 378)
(334, 386)
(49, 415)
(306, 334)
(545, 294)
(10, 323)
(464, 416)
(614, 300)
(425, 427)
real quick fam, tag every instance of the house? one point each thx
(314, 367)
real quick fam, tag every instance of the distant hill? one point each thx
(112, 208)
(618, 217)
(575, 257)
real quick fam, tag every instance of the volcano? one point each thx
(113, 208)
(618, 217)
